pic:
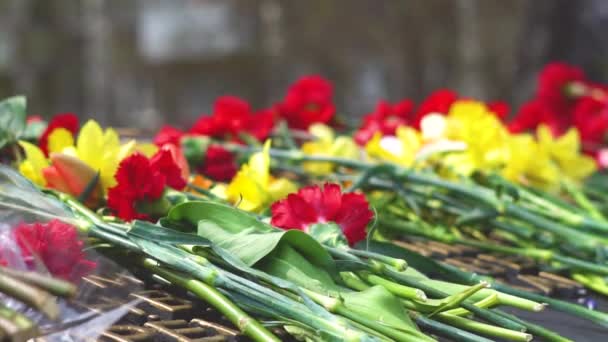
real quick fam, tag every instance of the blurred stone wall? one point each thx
(143, 63)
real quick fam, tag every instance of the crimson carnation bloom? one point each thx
(439, 101)
(553, 81)
(386, 118)
(591, 119)
(219, 164)
(231, 116)
(57, 245)
(168, 135)
(313, 204)
(68, 121)
(308, 101)
(534, 113)
(142, 180)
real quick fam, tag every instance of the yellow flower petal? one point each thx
(59, 139)
(34, 163)
(146, 149)
(90, 144)
(259, 165)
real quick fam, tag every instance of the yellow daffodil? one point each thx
(33, 164)
(484, 135)
(529, 164)
(253, 188)
(327, 144)
(95, 149)
(400, 149)
(565, 152)
(100, 150)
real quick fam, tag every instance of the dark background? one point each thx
(143, 63)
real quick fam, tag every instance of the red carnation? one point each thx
(386, 118)
(232, 116)
(439, 101)
(554, 80)
(533, 113)
(313, 205)
(165, 161)
(308, 101)
(168, 135)
(142, 181)
(219, 164)
(590, 117)
(57, 245)
(68, 121)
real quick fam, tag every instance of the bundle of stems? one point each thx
(38, 292)
(565, 233)
(358, 305)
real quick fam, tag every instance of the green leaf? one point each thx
(286, 263)
(251, 246)
(230, 219)
(378, 304)
(33, 131)
(149, 231)
(328, 234)
(12, 119)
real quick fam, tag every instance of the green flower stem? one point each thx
(581, 199)
(468, 304)
(486, 303)
(246, 324)
(336, 306)
(395, 288)
(52, 285)
(398, 264)
(15, 326)
(591, 281)
(577, 238)
(445, 330)
(30, 295)
(485, 329)
(452, 273)
(536, 330)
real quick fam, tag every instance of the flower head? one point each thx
(308, 101)
(253, 188)
(327, 144)
(67, 123)
(168, 135)
(57, 245)
(313, 204)
(141, 183)
(385, 119)
(233, 116)
(439, 101)
(555, 83)
(99, 150)
(219, 164)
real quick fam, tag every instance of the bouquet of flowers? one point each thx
(281, 217)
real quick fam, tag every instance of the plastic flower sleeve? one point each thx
(37, 237)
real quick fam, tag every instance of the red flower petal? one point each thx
(164, 163)
(57, 245)
(353, 217)
(315, 205)
(168, 135)
(219, 164)
(439, 101)
(386, 118)
(68, 121)
(308, 101)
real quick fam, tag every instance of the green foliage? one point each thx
(12, 119)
